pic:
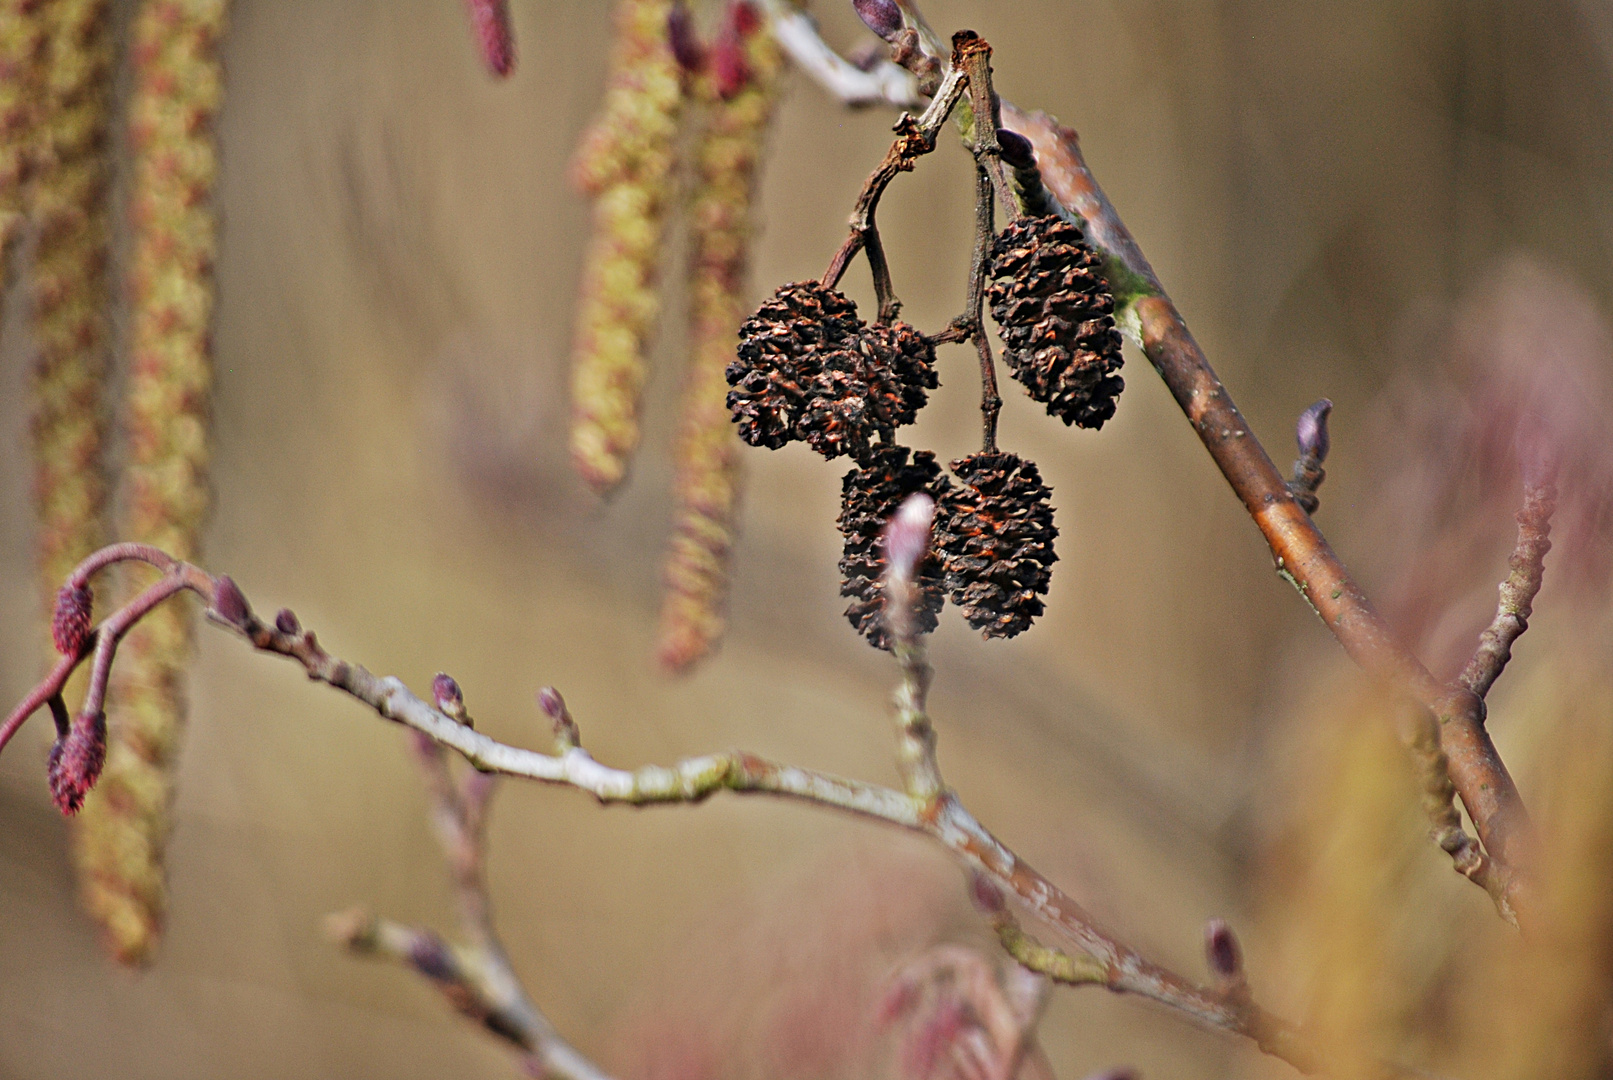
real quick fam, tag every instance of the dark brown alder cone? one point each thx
(809, 370)
(995, 536)
(868, 497)
(1056, 315)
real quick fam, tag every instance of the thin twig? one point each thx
(884, 83)
(991, 402)
(939, 815)
(1528, 566)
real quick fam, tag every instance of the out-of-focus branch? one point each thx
(883, 83)
(928, 807)
(479, 981)
(1528, 566)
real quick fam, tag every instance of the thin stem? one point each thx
(1518, 591)
(933, 811)
(914, 139)
(991, 402)
(971, 53)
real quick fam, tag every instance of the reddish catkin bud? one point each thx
(70, 624)
(490, 23)
(687, 48)
(75, 762)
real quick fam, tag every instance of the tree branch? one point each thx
(1528, 565)
(933, 810)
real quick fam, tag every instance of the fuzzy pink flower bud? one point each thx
(907, 537)
(70, 622)
(490, 22)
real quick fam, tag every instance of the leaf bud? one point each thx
(883, 17)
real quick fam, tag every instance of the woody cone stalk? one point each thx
(740, 89)
(69, 286)
(178, 87)
(625, 163)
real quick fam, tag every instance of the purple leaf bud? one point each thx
(75, 761)
(554, 707)
(445, 691)
(229, 605)
(907, 536)
(1311, 431)
(986, 894)
(883, 17)
(285, 621)
(70, 623)
(429, 955)
(1224, 953)
(1017, 150)
(687, 47)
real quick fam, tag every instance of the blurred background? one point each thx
(1405, 207)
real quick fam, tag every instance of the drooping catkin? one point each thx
(177, 91)
(708, 483)
(22, 44)
(69, 286)
(626, 163)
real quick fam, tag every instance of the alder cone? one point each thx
(995, 536)
(809, 370)
(1057, 319)
(869, 495)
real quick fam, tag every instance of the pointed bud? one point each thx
(75, 761)
(445, 691)
(1017, 150)
(883, 17)
(229, 606)
(1311, 431)
(907, 537)
(285, 621)
(687, 47)
(988, 897)
(70, 623)
(553, 705)
(495, 39)
(1223, 951)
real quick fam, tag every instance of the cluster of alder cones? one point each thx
(809, 370)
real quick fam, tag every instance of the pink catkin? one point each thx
(495, 38)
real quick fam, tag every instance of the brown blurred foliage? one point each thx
(1402, 206)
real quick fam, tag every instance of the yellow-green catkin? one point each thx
(174, 103)
(22, 46)
(69, 289)
(709, 479)
(626, 163)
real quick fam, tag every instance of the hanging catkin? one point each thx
(174, 102)
(69, 287)
(740, 89)
(22, 45)
(625, 162)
